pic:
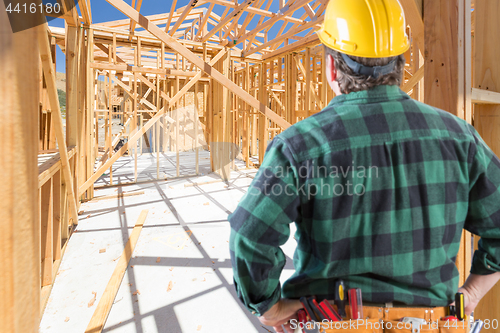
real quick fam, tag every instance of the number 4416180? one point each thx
(456, 324)
(33, 8)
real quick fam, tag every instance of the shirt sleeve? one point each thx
(260, 225)
(483, 218)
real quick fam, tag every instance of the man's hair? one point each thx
(351, 82)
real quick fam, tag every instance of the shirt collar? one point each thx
(377, 94)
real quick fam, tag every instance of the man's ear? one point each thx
(331, 72)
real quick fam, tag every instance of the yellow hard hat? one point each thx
(365, 28)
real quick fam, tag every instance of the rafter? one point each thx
(215, 74)
(186, 11)
(234, 15)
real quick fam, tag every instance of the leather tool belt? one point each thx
(387, 319)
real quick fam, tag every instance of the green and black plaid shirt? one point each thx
(380, 187)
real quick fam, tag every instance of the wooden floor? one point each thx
(123, 168)
(179, 278)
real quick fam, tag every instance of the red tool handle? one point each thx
(353, 302)
(329, 310)
(302, 316)
(319, 308)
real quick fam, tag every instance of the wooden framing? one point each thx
(19, 200)
(191, 79)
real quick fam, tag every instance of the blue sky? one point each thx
(102, 11)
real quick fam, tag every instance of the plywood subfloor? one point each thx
(184, 244)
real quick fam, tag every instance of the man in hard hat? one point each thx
(379, 186)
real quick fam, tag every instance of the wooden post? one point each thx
(72, 52)
(324, 82)
(177, 125)
(226, 122)
(157, 129)
(307, 83)
(246, 115)
(109, 126)
(56, 215)
(81, 79)
(19, 228)
(443, 76)
(134, 125)
(90, 156)
(195, 126)
(263, 120)
(46, 233)
(253, 117)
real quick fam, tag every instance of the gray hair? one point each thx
(351, 82)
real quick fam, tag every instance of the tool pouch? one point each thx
(387, 320)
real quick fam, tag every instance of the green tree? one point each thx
(62, 100)
(62, 97)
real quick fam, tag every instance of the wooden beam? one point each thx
(310, 88)
(132, 139)
(196, 78)
(19, 226)
(132, 23)
(90, 135)
(152, 86)
(70, 12)
(309, 11)
(288, 34)
(234, 15)
(308, 41)
(203, 23)
(103, 308)
(487, 117)
(413, 80)
(85, 10)
(141, 20)
(441, 55)
(252, 10)
(271, 21)
(48, 70)
(106, 50)
(172, 10)
(186, 11)
(481, 96)
(414, 19)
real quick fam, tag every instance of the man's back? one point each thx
(380, 186)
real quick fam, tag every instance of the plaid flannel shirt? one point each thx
(380, 187)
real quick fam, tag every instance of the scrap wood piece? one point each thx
(203, 183)
(170, 285)
(104, 306)
(92, 301)
(117, 196)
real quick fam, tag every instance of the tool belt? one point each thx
(383, 319)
